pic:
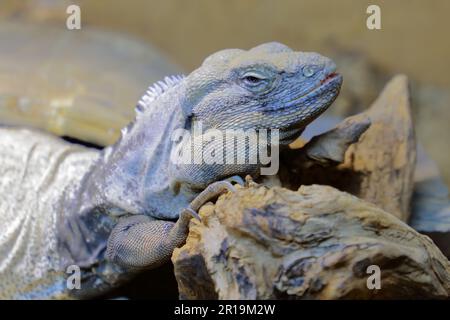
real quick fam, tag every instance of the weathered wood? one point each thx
(379, 167)
(316, 243)
(331, 146)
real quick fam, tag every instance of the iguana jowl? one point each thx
(114, 212)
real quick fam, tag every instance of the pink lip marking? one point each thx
(328, 77)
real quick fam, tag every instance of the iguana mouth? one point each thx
(329, 77)
(330, 82)
(304, 110)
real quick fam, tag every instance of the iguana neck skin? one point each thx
(131, 177)
(267, 87)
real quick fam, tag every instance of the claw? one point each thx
(213, 190)
(192, 213)
(227, 186)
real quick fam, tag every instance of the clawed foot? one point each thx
(212, 191)
(189, 213)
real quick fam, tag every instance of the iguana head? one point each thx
(269, 86)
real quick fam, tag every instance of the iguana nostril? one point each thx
(308, 71)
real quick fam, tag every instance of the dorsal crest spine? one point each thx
(156, 90)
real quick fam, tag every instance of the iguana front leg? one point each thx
(141, 241)
(212, 191)
(144, 242)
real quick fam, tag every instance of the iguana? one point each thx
(123, 209)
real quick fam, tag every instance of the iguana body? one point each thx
(113, 212)
(36, 169)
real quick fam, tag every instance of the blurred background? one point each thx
(84, 83)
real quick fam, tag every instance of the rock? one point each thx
(379, 167)
(430, 208)
(431, 203)
(84, 85)
(431, 114)
(314, 243)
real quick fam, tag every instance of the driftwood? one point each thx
(319, 242)
(316, 243)
(379, 167)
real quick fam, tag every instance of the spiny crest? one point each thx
(152, 93)
(156, 90)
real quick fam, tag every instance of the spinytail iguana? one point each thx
(116, 211)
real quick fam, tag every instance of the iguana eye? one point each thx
(251, 79)
(255, 82)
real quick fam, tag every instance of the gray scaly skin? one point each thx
(126, 208)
